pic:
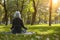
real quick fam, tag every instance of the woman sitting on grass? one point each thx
(17, 23)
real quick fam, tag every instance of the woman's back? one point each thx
(17, 23)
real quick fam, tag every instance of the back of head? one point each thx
(17, 14)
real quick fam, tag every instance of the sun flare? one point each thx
(55, 1)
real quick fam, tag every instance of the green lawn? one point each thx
(42, 32)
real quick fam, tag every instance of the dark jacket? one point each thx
(17, 25)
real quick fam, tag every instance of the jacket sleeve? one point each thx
(23, 25)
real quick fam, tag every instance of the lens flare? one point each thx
(54, 1)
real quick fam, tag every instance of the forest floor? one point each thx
(41, 32)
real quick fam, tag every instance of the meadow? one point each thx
(41, 32)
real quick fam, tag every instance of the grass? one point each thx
(39, 29)
(42, 32)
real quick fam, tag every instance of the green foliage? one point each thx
(42, 8)
(11, 5)
(1, 12)
(31, 6)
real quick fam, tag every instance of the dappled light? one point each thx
(29, 19)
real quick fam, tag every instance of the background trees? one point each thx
(32, 11)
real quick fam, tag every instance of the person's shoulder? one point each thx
(15, 19)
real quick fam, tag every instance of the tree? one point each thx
(34, 14)
(50, 10)
(6, 16)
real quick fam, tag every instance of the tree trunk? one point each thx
(50, 10)
(34, 14)
(0, 1)
(6, 17)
